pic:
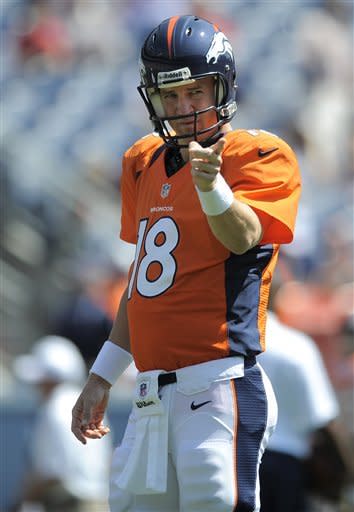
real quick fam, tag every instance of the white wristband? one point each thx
(111, 362)
(218, 200)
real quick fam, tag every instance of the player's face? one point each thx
(186, 99)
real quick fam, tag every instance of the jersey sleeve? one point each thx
(268, 180)
(128, 197)
(135, 161)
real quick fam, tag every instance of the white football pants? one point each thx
(216, 439)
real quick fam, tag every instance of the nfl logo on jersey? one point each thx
(143, 389)
(165, 190)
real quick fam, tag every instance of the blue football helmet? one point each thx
(179, 51)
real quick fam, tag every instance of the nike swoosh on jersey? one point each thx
(196, 406)
(264, 152)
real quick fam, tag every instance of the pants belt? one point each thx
(170, 378)
(166, 378)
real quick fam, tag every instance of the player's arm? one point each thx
(234, 223)
(238, 228)
(120, 330)
(113, 358)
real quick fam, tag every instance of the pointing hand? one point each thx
(206, 163)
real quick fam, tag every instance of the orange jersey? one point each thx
(190, 299)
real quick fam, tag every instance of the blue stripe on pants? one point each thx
(251, 424)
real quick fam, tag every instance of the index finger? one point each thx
(204, 154)
(218, 147)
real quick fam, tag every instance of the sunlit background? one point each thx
(69, 110)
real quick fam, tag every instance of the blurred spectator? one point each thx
(321, 312)
(45, 39)
(63, 475)
(87, 317)
(305, 449)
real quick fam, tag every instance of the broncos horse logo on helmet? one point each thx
(179, 51)
(219, 46)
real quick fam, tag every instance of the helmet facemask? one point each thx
(161, 122)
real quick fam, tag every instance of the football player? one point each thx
(207, 208)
